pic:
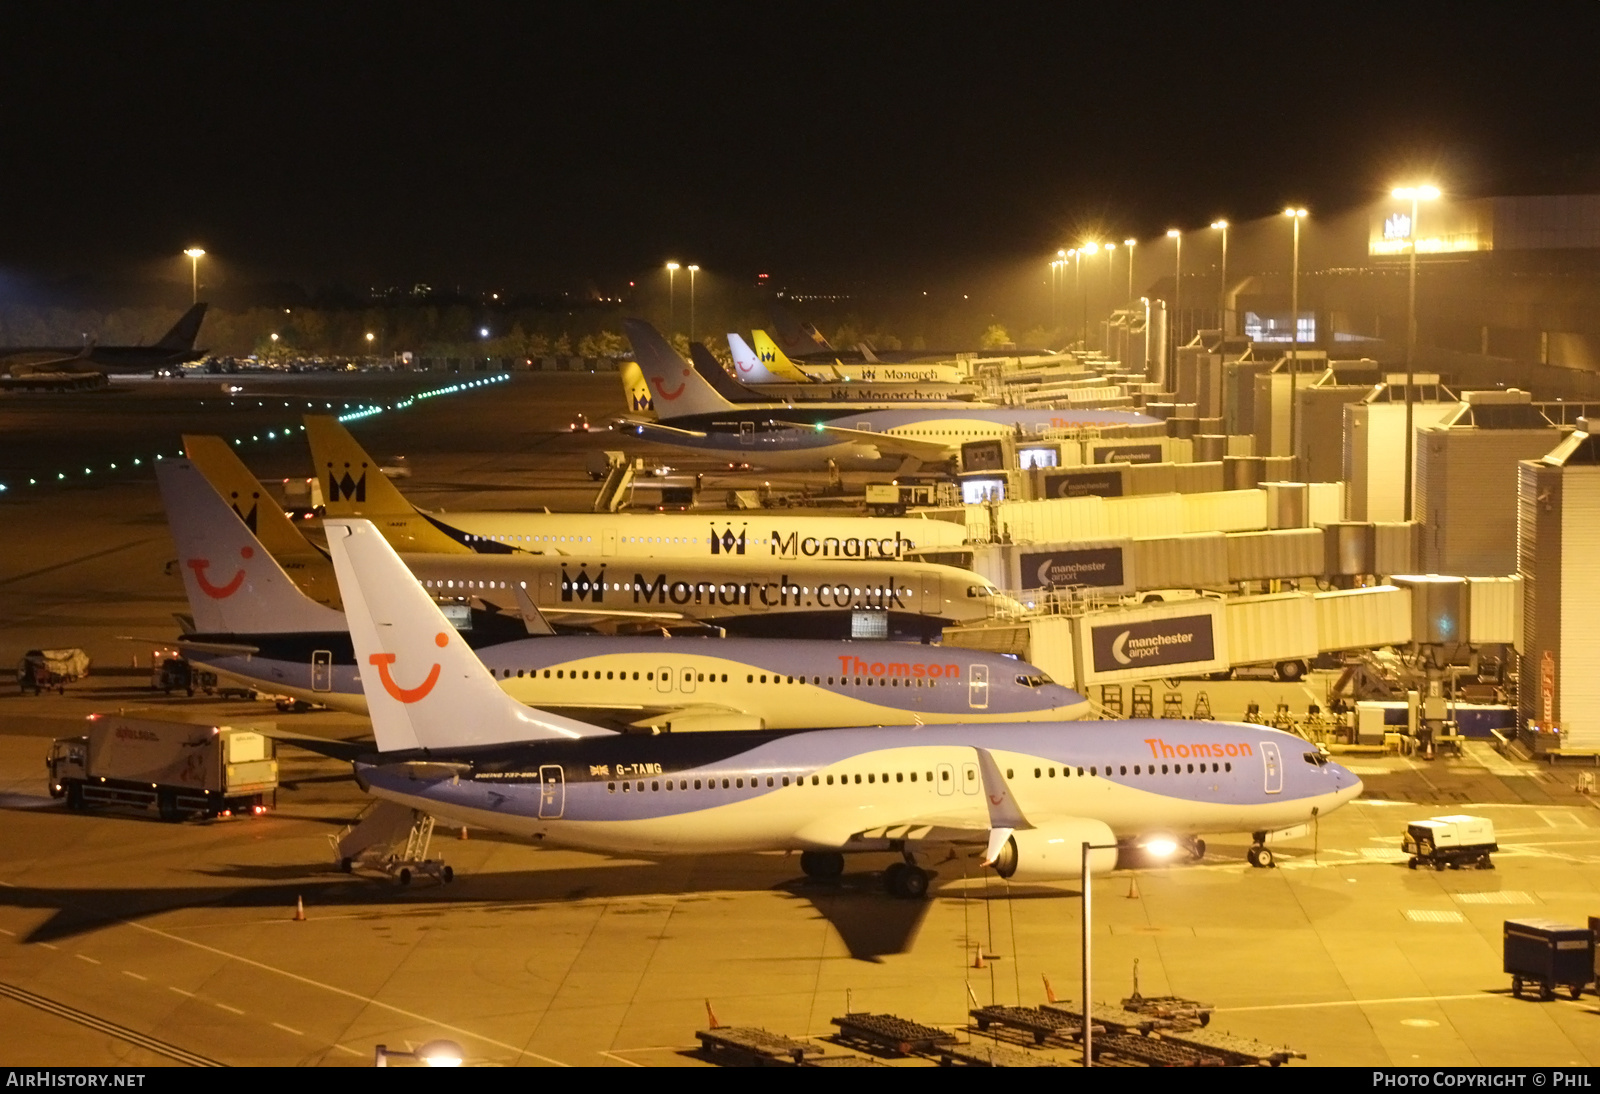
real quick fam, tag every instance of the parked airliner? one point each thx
(692, 416)
(254, 626)
(1029, 796)
(354, 487)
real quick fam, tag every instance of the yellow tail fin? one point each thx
(355, 487)
(776, 360)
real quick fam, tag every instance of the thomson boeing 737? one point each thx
(1030, 798)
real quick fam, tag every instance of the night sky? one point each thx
(545, 147)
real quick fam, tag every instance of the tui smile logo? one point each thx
(661, 387)
(407, 695)
(218, 592)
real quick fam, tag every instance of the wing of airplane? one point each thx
(890, 444)
(44, 361)
(222, 649)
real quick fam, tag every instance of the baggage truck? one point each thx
(179, 769)
(1450, 842)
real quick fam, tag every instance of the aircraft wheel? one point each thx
(912, 883)
(821, 864)
(447, 874)
(404, 876)
(892, 877)
(1261, 858)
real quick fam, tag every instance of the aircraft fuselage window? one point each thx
(815, 780)
(945, 775)
(739, 783)
(900, 777)
(1080, 772)
(639, 787)
(1225, 767)
(655, 786)
(1094, 771)
(830, 780)
(1163, 769)
(786, 783)
(697, 787)
(914, 779)
(611, 788)
(858, 780)
(1120, 771)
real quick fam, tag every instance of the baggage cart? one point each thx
(1548, 954)
(1453, 843)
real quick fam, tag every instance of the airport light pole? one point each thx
(1416, 194)
(1222, 298)
(194, 254)
(672, 272)
(1130, 244)
(1111, 288)
(1083, 296)
(692, 271)
(370, 339)
(1296, 216)
(1077, 263)
(1177, 291)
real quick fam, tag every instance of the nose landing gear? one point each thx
(1259, 855)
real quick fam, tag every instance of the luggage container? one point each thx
(1549, 954)
(1450, 842)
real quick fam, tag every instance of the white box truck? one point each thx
(179, 769)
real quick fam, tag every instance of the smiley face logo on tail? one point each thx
(661, 387)
(408, 695)
(218, 592)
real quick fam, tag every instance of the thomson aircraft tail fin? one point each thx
(185, 330)
(425, 687)
(262, 514)
(711, 370)
(233, 584)
(747, 364)
(677, 390)
(776, 360)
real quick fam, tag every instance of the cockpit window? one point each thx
(1315, 758)
(1034, 680)
(979, 591)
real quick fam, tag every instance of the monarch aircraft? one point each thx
(353, 486)
(254, 626)
(869, 369)
(819, 588)
(910, 383)
(691, 415)
(1029, 796)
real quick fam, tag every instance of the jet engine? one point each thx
(1054, 852)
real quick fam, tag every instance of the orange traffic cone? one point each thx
(299, 909)
(977, 958)
(463, 831)
(1133, 888)
(711, 1015)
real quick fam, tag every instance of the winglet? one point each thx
(425, 687)
(1003, 809)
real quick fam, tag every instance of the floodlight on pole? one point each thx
(1416, 194)
(1130, 244)
(1222, 304)
(1295, 215)
(672, 272)
(1176, 236)
(692, 271)
(195, 254)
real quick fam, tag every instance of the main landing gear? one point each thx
(907, 880)
(1259, 856)
(822, 864)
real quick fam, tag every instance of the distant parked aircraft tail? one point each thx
(184, 332)
(675, 388)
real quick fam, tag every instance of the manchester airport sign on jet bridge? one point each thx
(1182, 639)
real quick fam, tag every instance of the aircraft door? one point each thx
(608, 542)
(932, 593)
(547, 586)
(664, 678)
(978, 687)
(747, 432)
(321, 670)
(947, 779)
(865, 427)
(552, 791)
(686, 679)
(971, 783)
(1274, 767)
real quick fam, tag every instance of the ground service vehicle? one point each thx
(1451, 842)
(181, 769)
